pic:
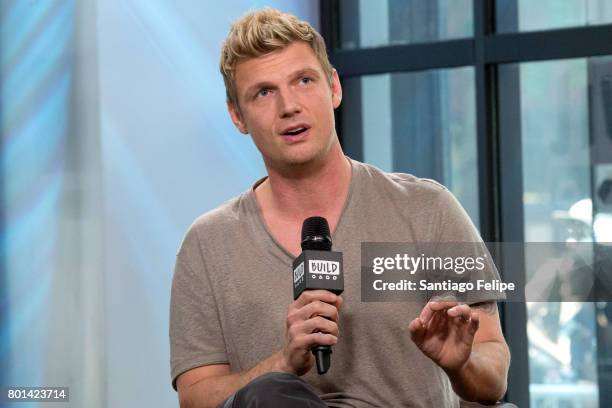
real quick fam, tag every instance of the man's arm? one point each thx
(467, 342)
(312, 319)
(209, 386)
(484, 376)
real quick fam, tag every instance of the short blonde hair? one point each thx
(262, 32)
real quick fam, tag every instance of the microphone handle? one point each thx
(323, 357)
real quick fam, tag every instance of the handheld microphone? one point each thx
(318, 267)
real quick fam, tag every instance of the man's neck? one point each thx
(319, 190)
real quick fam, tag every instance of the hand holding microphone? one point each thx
(318, 268)
(312, 320)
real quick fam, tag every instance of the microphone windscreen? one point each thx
(315, 234)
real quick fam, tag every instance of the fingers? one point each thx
(319, 324)
(417, 331)
(312, 319)
(313, 312)
(444, 331)
(339, 302)
(458, 313)
(318, 308)
(309, 296)
(474, 323)
(314, 331)
(310, 333)
(434, 306)
(307, 341)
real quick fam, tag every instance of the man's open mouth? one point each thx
(294, 131)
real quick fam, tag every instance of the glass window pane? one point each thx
(366, 23)
(422, 123)
(566, 135)
(529, 15)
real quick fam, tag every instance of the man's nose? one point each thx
(289, 104)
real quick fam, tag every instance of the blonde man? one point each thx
(238, 338)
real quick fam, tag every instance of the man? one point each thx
(233, 320)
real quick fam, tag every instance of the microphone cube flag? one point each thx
(318, 270)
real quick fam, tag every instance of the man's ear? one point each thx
(336, 89)
(236, 116)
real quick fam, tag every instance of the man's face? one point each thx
(286, 104)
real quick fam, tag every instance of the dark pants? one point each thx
(273, 390)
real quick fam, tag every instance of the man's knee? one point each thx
(277, 389)
(273, 380)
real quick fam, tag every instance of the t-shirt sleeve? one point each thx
(196, 337)
(458, 236)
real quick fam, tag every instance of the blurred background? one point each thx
(115, 137)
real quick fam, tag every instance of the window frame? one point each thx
(498, 141)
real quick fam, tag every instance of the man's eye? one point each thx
(263, 92)
(306, 80)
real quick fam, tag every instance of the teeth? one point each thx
(296, 131)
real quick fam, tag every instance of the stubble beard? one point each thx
(300, 161)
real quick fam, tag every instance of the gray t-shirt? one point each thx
(233, 282)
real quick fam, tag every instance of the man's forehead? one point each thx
(288, 61)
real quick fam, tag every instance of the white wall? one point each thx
(169, 153)
(114, 138)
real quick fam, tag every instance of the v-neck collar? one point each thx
(252, 202)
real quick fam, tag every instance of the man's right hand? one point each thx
(311, 320)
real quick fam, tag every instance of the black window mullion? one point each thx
(495, 208)
(492, 189)
(328, 20)
(402, 58)
(550, 44)
(514, 314)
(486, 134)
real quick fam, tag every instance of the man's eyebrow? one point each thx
(267, 84)
(258, 86)
(306, 71)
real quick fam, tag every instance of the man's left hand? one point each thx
(444, 332)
